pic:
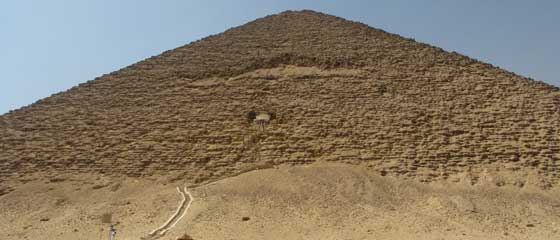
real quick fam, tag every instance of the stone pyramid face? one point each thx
(333, 90)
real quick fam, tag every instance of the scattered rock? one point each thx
(98, 186)
(60, 202)
(185, 237)
(55, 180)
(115, 187)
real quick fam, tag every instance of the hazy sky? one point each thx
(50, 46)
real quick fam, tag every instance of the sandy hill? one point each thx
(314, 201)
(328, 89)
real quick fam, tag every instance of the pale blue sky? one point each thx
(50, 46)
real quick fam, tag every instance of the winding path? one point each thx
(176, 217)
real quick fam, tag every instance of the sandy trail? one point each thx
(181, 211)
(325, 201)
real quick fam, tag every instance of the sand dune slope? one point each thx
(319, 201)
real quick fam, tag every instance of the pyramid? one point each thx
(327, 89)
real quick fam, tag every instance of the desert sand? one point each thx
(317, 201)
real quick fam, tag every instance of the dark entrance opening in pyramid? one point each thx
(261, 119)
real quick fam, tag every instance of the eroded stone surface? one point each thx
(340, 91)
